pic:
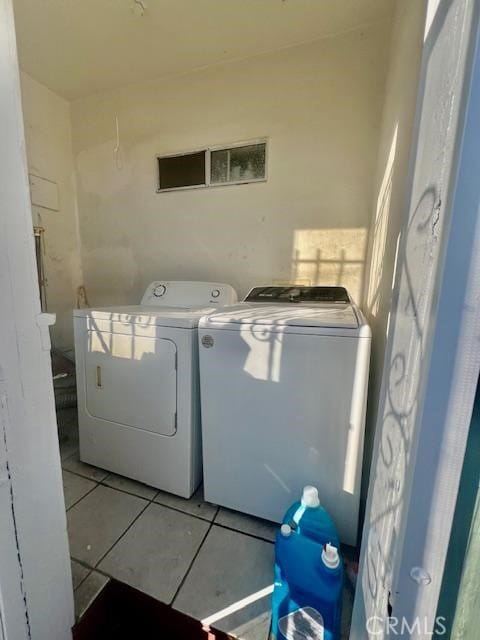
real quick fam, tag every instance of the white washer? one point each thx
(283, 389)
(137, 383)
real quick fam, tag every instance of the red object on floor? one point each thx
(122, 612)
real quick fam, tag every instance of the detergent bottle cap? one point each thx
(286, 530)
(310, 497)
(330, 556)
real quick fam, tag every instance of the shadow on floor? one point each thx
(120, 611)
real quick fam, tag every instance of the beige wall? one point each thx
(49, 152)
(319, 104)
(390, 203)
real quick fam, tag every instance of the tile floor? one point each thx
(193, 555)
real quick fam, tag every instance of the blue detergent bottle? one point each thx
(310, 519)
(307, 597)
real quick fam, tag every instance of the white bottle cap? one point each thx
(330, 556)
(286, 530)
(310, 497)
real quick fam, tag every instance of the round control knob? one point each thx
(159, 290)
(215, 293)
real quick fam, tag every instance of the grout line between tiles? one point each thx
(79, 616)
(166, 506)
(182, 582)
(92, 569)
(104, 484)
(96, 568)
(62, 460)
(130, 493)
(85, 577)
(82, 562)
(245, 533)
(153, 499)
(187, 513)
(136, 495)
(149, 502)
(80, 499)
(75, 473)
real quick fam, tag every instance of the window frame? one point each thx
(208, 153)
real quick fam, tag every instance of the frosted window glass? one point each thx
(238, 164)
(219, 166)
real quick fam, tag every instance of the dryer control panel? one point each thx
(188, 294)
(330, 295)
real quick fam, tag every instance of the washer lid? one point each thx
(286, 315)
(184, 318)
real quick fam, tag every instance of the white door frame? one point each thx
(36, 596)
(432, 359)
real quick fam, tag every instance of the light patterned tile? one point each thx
(88, 591)
(229, 567)
(98, 521)
(75, 487)
(79, 573)
(256, 629)
(155, 553)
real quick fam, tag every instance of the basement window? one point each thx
(217, 166)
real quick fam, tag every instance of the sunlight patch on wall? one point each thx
(432, 9)
(379, 231)
(330, 257)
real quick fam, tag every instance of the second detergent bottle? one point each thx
(307, 596)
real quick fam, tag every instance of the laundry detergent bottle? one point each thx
(310, 519)
(307, 596)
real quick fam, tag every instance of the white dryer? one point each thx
(283, 388)
(137, 383)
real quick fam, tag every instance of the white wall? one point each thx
(391, 187)
(49, 152)
(319, 104)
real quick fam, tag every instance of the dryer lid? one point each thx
(168, 304)
(147, 316)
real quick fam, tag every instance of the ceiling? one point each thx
(78, 47)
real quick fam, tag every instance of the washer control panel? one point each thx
(188, 294)
(330, 295)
